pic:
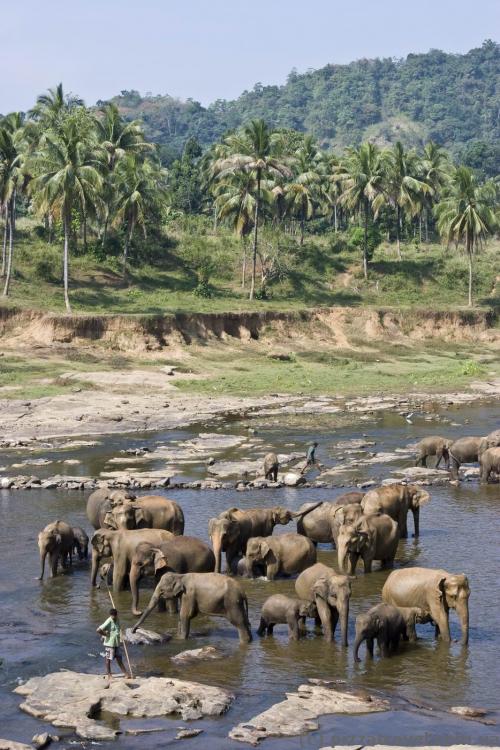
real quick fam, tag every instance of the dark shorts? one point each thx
(112, 652)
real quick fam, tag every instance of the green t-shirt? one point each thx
(112, 627)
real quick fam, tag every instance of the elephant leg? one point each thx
(411, 633)
(353, 558)
(272, 571)
(187, 612)
(53, 560)
(369, 646)
(270, 628)
(302, 625)
(402, 523)
(455, 465)
(162, 604)
(171, 606)
(335, 618)
(383, 644)
(262, 627)
(317, 621)
(368, 562)
(416, 521)
(293, 628)
(440, 617)
(240, 622)
(118, 576)
(325, 615)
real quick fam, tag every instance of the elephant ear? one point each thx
(264, 549)
(441, 588)
(321, 589)
(178, 587)
(211, 526)
(421, 498)
(109, 520)
(233, 531)
(139, 514)
(339, 515)
(159, 560)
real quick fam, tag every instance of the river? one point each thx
(46, 626)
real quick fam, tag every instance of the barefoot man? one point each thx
(110, 630)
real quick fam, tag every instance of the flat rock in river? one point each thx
(72, 699)
(298, 713)
(413, 747)
(419, 472)
(11, 745)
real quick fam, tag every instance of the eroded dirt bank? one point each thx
(340, 325)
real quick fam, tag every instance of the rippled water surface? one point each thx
(51, 625)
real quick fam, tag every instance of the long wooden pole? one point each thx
(123, 639)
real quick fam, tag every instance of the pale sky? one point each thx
(210, 49)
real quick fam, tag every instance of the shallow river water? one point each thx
(46, 626)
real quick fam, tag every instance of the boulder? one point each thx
(11, 745)
(196, 654)
(293, 479)
(142, 637)
(72, 699)
(298, 713)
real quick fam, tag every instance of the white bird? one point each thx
(409, 416)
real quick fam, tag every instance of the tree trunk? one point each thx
(469, 255)
(398, 232)
(244, 265)
(426, 227)
(255, 237)
(128, 240)
(365, 243)
(8, 273)
(84, 232)
(301, 232)
(335, 218)
(4, 246)
(105, 230)
(67, 230)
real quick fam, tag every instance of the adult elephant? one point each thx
(331, 593)
(433, 591)
(318, 523)
(147, 512)
(434, 445)
(396, 500)
(489, 461)
(490, 441)
(121, 546)
(202, 593)
(232, 529)
(102, 501)
(57, 541)
(182, 554)
(383, 622)
(465, 451)
(271, 466)
(285, 554)
(373, 537)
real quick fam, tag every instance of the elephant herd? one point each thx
(465, 450)
(136, 538)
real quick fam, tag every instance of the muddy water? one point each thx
(51, 625)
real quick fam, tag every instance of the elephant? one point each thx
(57, 541)
(465, 450)
(489, 461)
(435, 592)
(232, 529)
(412, 616)
(203, 593)
(147, 512)
(284, 554)
(396, 500)
(344, 515)
(373, 537)
(102, 501)
(383, 622)
(271, 466)
(181, 554)
(490, 441)
(281, 609)
(331, 593)
(433, 446)
(81, 544)
(121, 545)
(318, 524)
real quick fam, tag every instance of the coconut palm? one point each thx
(404, 188)
(435, 165)
(138, 186)
(303, 193)
(361, 176)
(51, 106)
(11, 162)
(67, 175)
(252, 150)
(466, 213)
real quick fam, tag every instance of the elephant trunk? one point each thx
(342, 552)
(462, 609)
(344, 619)
(302, 513)
(134, 577)
(357, 643)
(416, 521)
(217, 545)
(152, 604)
(95, 567)
(42, 563)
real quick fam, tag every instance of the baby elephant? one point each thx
(81, 546)
(412, 615)
(383, 622)
(280, 609)
(284, 554)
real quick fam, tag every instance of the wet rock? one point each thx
(474, 713)
(196, 654)
(184, 734)
(143, 637)
(298, 713)
(6, 483)
(11, 745)
(419, 472)
(44, 740)
(72, 699)
(292, 479)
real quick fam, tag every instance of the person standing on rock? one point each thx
(310, 458)
(110, 630)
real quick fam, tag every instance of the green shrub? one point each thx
(47, 266)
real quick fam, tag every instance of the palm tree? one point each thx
(118, 138)
(53, 105)
(302, 194)
(435, 166)
(361, 177)
(11, 162)
(138, 186)
(67, 176)
(465, 214)
(252, 149)
(403, 189)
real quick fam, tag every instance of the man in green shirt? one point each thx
(310, 458)
(110, 630)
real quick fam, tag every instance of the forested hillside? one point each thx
(453, 100)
